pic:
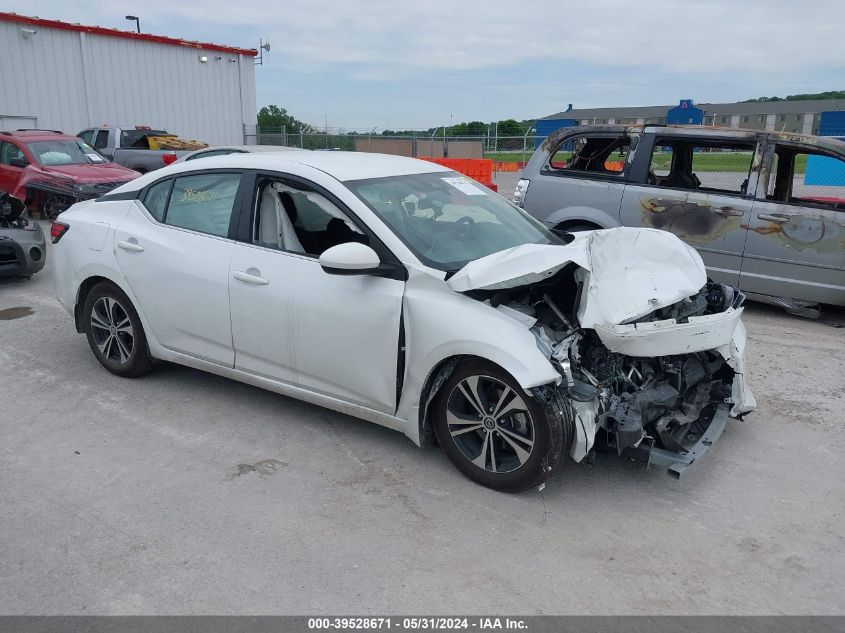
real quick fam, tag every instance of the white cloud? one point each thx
(384, 38)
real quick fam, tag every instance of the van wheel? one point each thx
(114, 331)
(497, 434)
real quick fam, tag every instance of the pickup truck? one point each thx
(140, 148)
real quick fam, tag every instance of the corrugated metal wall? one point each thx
(72, 80)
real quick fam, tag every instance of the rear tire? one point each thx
(497, 434)
(114, 331)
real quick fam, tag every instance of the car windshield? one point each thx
(448, 220)
(65, 152)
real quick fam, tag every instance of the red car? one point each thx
(50, 171)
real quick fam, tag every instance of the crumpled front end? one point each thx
(652, 369)
(667, 402)
(23, 248)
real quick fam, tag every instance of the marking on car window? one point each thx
(193, 195)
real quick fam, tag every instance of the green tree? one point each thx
(510, 127)
(272, 118)
(830, 94)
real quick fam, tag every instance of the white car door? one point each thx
(291, 321)
(173, 249)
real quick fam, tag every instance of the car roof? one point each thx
(37, 135)
(342, 166)
(686, 130)
(701, 131)
(246, 148)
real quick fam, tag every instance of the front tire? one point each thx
(497, 434)
(114, 331)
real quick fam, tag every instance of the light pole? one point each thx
(137, 21)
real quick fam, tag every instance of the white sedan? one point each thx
(405, 294)
(223, 150)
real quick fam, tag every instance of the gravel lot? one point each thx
(182, 492)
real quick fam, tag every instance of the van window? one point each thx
(722, 168)
(807, 177)
(699, 165)
(661, 161)
(596, 154)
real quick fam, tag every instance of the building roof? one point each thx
(749, 107)
(129, 35)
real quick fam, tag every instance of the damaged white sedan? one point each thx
(403, 293)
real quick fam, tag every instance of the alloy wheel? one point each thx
(112, 330)
(490, 424)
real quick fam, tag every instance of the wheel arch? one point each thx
(84, 289)
(581, 215)
(434, 382)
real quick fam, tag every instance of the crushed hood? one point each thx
(627, 272)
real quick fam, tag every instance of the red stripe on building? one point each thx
(128, 35)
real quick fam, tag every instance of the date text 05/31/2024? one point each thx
(417, 623)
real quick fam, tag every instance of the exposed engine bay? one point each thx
(23, 249)
(633, 404)
(12, 213)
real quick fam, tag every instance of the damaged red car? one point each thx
(49, 171)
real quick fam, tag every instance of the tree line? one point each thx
(274, 119)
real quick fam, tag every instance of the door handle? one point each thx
(729, 212)
(131, 245)
(249, 279)
(780, 218)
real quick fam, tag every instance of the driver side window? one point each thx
(595, 154)
(296, 220)
(8, 151)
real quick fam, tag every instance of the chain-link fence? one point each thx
(508, 153)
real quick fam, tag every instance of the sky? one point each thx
(413, 65)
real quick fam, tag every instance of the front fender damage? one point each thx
(655, 385)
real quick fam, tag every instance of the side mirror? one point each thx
(18, 162)
(352, 258)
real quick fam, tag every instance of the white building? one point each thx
(69, 77)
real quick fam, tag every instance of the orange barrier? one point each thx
(508, 166)
(480, 169)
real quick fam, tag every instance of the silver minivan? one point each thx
(765, 210)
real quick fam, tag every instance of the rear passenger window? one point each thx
(701, 165)
(156, 199)
(723, 168)
(807, 177)
(203, 203)
(661, 162)
(596, 154)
